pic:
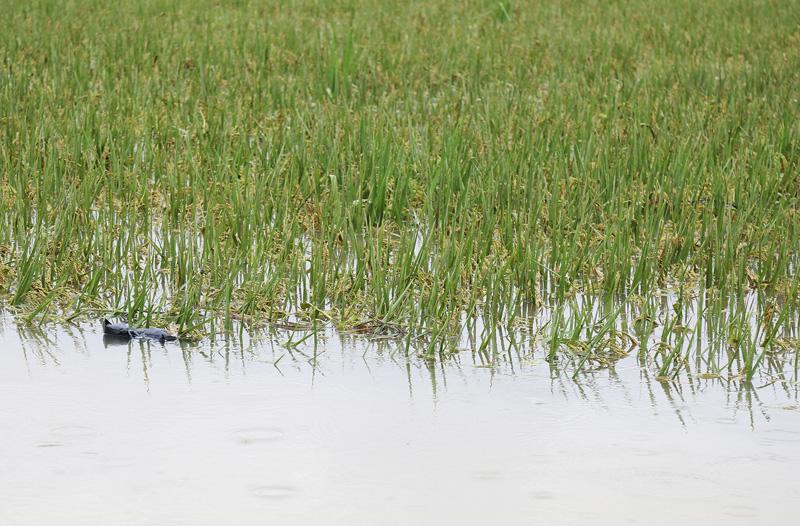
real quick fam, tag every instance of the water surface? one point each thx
(219, 433)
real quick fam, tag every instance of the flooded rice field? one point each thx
(247, 433)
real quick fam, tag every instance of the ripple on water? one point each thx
(274, 492)
(542, 495)
(73, 431)
(643, 452)
(740, 511)
(488, 475)
(49, 444)
(772, 437)
(255, 435)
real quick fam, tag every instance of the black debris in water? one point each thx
(122, 330)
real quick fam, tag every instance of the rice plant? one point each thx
(411, 169)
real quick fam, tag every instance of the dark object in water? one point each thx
(121, 330)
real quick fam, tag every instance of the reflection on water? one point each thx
(345, 431)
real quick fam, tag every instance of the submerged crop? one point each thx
(408, 170)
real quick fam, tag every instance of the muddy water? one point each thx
(144, 433)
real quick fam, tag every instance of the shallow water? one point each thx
(145, 433)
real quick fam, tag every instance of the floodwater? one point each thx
(218, 433)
